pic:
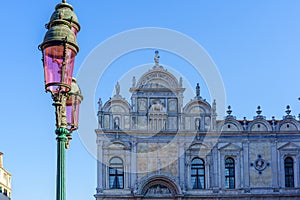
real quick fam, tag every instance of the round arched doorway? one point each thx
(160, 187)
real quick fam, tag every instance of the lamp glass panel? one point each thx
(53, 68)
(72, 111)
(74, 30)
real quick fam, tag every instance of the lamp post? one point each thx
(59, 49)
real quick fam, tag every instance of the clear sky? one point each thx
(255, 45)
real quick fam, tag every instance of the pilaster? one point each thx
(246, 167)
(215, 174)
(181, 164)
(274, 165)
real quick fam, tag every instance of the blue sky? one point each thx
(255, 45)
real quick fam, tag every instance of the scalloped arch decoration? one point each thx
(229, 126)
(288, 126)
(258, 127)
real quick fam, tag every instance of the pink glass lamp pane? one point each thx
(72, 112)
(53, 68)
(70, 60)
(69, 112)
(74, 30)
(76, 119)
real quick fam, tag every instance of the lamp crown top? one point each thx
(64, 13)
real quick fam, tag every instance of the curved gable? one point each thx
(229, 124)
(196, 107)
(158, 79)
(288, 124)
(259, 125)
(116, 106)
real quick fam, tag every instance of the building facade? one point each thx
(155, 147)
(5, 181)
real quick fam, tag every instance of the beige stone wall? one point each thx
(152, 157)
(265, 178)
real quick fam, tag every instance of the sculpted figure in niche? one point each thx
(116, 123)
(197, 124)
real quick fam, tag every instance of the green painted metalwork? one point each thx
(58, 35)
(64, 11)
(61, 166)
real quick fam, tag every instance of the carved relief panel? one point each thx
(142, 104)
(172, 105)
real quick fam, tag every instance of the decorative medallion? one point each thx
(260, 164)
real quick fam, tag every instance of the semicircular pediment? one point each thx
(116, 106)
(259, 125)
(196, 107)
(158, 79)
(230, 124)
(159, 185)
(289, 124)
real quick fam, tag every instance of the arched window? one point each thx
(229, 173)
(289, 172)
(116, 173)
(198, 173)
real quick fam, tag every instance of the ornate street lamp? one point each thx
(59, 49)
